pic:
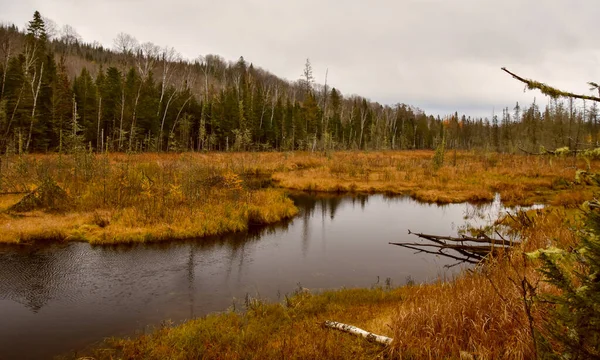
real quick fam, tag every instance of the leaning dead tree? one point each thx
(464, 249)
(551, 90)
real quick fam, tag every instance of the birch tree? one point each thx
(147, 55)
(34, 68)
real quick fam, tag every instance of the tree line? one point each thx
(58, 93)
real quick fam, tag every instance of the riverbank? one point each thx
(117, 198)
(480, 314)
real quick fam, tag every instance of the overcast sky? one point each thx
(439, 55)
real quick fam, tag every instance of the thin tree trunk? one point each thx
(162, 124)
(122, 114)
(133, 119)
(99, 119)
(324, 118)
(12, 116)
(179, 113)
(5, 68)
(35, 97)
(363, 120)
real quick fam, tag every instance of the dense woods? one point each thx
(58, 93)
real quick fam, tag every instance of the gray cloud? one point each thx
(441, 55)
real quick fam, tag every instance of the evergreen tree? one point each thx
(575, 322)
(85, 92)
(62, 107)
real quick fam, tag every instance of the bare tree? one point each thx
(147, 55)
(168, 57)
(307, 77)
(51, 28)
(125, 43)
(69, 35)
(34, 79)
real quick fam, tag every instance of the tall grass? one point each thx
(520, 180)
(132, 198)
(152, 197)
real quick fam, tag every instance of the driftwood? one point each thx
(472, 250)
(358, 332)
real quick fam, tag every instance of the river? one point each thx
(58, 298)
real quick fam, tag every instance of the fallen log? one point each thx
(481, 239)
(359, 332)
(471, 248)
(469, 252)
(468, 259)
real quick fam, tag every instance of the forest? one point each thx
(59, 93)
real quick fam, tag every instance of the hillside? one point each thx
(141, 97)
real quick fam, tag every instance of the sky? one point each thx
(439, 55)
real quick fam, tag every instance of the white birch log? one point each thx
(359, 332)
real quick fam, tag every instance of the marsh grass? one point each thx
(139, 198)
(156, 197)
(471, 176)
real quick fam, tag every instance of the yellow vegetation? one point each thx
(467, 176)
(139, 198)
(152, 197)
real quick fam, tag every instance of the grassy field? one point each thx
(121, 198)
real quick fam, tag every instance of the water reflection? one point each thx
(61, 297)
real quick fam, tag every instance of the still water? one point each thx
(64, 297)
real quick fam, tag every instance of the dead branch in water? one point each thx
(470, 253)
(482, 238)
(468, 259)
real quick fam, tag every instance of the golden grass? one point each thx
(140, 198)
(470, 176)
(129, 225)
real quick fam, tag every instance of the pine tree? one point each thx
(36, 28)
(574, 324)
(85, 92)
(62, 106)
